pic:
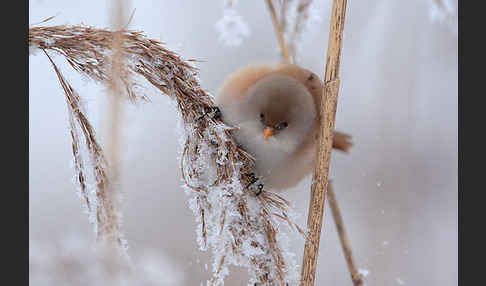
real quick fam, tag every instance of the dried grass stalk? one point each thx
(356, 277)
(284, 7)
(278, 31)
(325, 142)
(300, 22)
(114, 114)
(290, 25)
(114, 120)
(341, 141)
(240, 227)
(91, 163)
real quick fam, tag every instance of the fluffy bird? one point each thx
(275, 108)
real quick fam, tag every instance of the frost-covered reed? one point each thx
(239, 227)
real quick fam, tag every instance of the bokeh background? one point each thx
(397, 189)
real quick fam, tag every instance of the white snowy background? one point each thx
(397, 189)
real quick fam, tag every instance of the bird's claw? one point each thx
(253, 180)
(212, 111)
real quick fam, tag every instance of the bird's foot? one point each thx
(258, 188)
(214, 112)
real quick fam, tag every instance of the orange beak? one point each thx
(267, 132)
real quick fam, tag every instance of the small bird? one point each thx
(275, 108)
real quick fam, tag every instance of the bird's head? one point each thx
(281, 111)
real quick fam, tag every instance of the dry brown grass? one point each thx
(101, 206)
(86, 49)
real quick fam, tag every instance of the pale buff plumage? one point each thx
(284, 94)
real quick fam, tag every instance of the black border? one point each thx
(15, 144)
(15, 207)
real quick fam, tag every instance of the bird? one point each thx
(274, 108)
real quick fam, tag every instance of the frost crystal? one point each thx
(232, 28)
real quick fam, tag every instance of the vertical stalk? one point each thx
(324, 145)
(111, 230)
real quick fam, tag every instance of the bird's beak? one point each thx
(267, 132)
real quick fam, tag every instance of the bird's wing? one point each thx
(309, 79)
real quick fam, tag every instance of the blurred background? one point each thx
(397, 189)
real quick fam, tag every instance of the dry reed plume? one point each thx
(295, 35)
(240, 227)
(290, 24)
(88, 163)
(278, 30)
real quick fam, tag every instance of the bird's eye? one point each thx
(281, 125)
(261, 115)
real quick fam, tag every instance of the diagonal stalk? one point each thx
(343, 237)
(278, 31)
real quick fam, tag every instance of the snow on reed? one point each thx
(240, 227)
